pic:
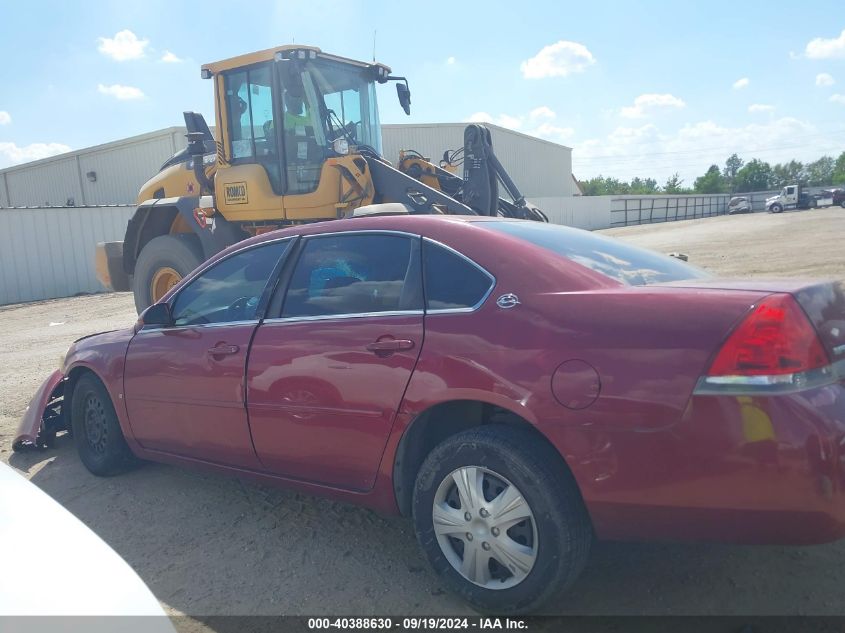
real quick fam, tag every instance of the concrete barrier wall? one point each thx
(582, 212)
(47, 253)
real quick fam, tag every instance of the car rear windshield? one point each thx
(627, 264)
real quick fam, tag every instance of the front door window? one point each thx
(230, 290)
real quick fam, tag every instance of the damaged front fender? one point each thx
(44, 416)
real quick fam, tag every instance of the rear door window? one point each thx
(353, 274)
(452, 282)
(614, 258)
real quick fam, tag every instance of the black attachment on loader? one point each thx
(195, 124)
(477, 193)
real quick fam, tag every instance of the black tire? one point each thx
(561, 525)
(776, 208)
(182, 253)
(96, 430)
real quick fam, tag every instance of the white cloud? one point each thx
(450, 61)
(11, 154)
(648, 151)
(5, 117)
(543, 112)
(123, 93)
(646, 102)
(550, 132)
(821, 48)
(123, 46)
(838, 99)
(558, 60)
(760, 107)
(538, 122)
(170, 58)
(503, 120)
(741, 83)
(824, 79)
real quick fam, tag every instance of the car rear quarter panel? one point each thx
(649, 346)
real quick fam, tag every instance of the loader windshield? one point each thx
(341, 100)
(326, 100)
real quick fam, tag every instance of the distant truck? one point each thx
(792, 197)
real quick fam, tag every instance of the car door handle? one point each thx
(223, 350)
(390, 345)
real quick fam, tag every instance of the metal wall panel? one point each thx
(49, 253)
(538, 167)
(583, 212)
(121, 168)
(120, 171)
(51, 183)
(4, 194)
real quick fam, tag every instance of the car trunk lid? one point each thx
(822, 300)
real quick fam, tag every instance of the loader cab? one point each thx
(291, 121)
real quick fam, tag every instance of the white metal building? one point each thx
(106, 174)
(114, 172)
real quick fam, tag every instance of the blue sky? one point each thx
(636, 88)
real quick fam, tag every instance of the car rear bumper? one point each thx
(737, 468)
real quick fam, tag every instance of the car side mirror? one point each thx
(157, 315)
(404, 94)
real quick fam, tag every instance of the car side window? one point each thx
(230, 290)
(451, 281)
(355, 274)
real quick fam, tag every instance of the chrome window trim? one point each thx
(353, 232)
(173, 328)
(781, 384)
(480, 302)
(351, 315)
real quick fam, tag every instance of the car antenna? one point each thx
(375, 31)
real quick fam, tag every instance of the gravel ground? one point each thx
(207, 544)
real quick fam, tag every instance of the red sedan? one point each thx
(518, 388)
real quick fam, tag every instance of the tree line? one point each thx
(736, 176)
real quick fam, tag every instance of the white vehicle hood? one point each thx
(54, 565)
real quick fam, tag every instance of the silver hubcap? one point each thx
(485, 527)
(96, 427)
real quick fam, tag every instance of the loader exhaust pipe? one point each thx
(196, 148)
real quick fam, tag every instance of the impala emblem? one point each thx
(508, 300)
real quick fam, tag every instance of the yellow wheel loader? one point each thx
(298, 140)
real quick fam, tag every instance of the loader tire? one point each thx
(163, 262)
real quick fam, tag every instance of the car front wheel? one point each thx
(96, 429)
(501, 519)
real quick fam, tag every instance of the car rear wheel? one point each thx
(96, 430)
(501, 519)
(163, 262)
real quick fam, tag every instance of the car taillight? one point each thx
(775, 339)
